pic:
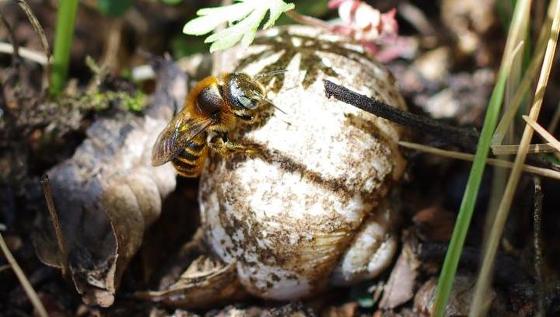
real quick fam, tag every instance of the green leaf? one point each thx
(243, 17)
(201, 25)
(211, 18)
(226, 11)
(276, 9)
(253, 22)
(244, 30)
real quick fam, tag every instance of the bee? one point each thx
(212, 109)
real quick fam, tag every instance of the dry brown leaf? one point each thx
(400, 287)
(205, 283)
(108, 193)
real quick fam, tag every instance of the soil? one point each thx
(440, 76)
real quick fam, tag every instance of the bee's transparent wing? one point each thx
(173, 139)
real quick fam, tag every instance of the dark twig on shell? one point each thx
(466, 138)
(538, 243)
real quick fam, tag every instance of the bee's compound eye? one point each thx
(246, 102)
(243, 92)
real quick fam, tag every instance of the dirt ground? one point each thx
(445, 66)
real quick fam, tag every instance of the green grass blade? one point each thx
(65, 21)
(447, 275)
(449, 269)
(485, 276)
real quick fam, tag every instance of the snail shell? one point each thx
(312, 210)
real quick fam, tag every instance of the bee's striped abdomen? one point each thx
(190, 161)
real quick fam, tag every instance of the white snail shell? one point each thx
(315, 212)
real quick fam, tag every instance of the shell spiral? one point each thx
(313, 210)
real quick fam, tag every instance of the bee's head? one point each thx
(245, 95)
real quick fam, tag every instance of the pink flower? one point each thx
(365, 24)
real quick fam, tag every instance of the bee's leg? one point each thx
(219, 142)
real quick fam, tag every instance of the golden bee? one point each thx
(212, 109)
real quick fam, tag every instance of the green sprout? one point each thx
(66, 18)
(243, 18)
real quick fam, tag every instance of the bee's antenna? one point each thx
(279, 109)
(275, 107)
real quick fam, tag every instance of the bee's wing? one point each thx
(175, 137)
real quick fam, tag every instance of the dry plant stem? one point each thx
(112, 45)
(307, 20)
(23, 52)
(42, 36)
(27, 287)
(55, 221)
(545, 134)
(464, 137)
(537, 241)
(545, 172)
(499, 177)
(509, 149)
(514, 78)
(35, 24)
(526, 82)
(483, 281)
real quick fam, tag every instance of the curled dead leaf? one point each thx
(400, 287)
(108, 193)
(205, 283)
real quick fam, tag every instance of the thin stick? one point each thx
(112, 44)
(545, 134)
(55, 221)
(509, 149)
(537, 242)
(35, 24)
(27, 287)
(41, 33)
(484, 278)
(23, 52)
(467, 138)
(545, 172)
